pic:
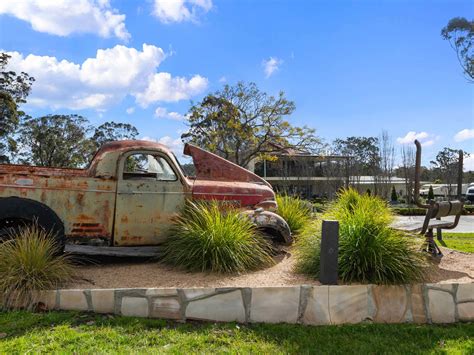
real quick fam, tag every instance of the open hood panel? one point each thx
(210, 166)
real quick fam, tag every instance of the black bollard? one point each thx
(328, 268)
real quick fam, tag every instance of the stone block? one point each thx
(223, 307)
(161, 292)
(446, 287)
(348, 304)
(134, 307)
(48, 298)
(103, 301)
(165, 307)
(72, 300)
(465, 292)
(317, 306)
(418, 309)
(192, 293)
(441, 306)
(466, 311)
(391, 304)
(275, 304)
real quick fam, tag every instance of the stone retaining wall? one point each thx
(315, 305)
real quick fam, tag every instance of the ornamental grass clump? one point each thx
(369, 250)
(29, 264)
(295, 211)
(307, 249)
(207, 238)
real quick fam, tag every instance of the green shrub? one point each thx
(393, 195)
(369, 251)
(431, 195)
(319, 207)
(205, 238)
(295, 211)
(307, 249)
(468, 209)
(28, 264)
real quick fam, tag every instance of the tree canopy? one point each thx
(460, 34)
(112, 131)
(241, 123)
(364, 153)
(55, 140)
(66, 141)
(14, 88)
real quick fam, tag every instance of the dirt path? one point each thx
(453, 267)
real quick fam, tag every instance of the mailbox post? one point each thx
(328, 270)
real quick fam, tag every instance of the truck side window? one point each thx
(146, 166)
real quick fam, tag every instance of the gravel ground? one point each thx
(455, 266)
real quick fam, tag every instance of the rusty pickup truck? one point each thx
(128, 195)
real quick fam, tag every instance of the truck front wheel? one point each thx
(271, 224)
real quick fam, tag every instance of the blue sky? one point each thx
(352, 67)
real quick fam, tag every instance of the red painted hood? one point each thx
(220, 179)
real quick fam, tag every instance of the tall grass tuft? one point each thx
(29, 264)
(307, 249)
(295, 211)
(206, 238)
(369, 250)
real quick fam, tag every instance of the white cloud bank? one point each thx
(162, 112)
(64, 17)
(271, 65)
(174, 144)
(426, 139)
(464, 135)
(163, 87)
(468, 163)
(168, 11)
(104, 79)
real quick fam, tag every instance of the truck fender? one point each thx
(272, 223)
(22, 209)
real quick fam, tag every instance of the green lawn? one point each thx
(68, 332)
(459, 241)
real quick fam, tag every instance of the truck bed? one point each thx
(41, 171)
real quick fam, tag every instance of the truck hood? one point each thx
(220, 179)
(210, 166)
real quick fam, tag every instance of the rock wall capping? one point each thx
(305, 304)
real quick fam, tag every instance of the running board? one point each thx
(142, 252)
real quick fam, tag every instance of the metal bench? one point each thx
(436, 210)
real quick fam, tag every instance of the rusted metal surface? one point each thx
(437, 209)
(212, 167)
(417, 176)
(100, 205)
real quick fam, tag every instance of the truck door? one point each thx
(149, 194)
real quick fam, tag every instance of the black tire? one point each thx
(16, 212)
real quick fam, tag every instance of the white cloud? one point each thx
(222, 79)
(174, 144)
(64, 17)
(464, 135)
(104, 79)
(168, 11)
(163, 87)
(162, 112)
(427, 143)
(130, 110)
(468, 163)
(426, 139)
(271, 65)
